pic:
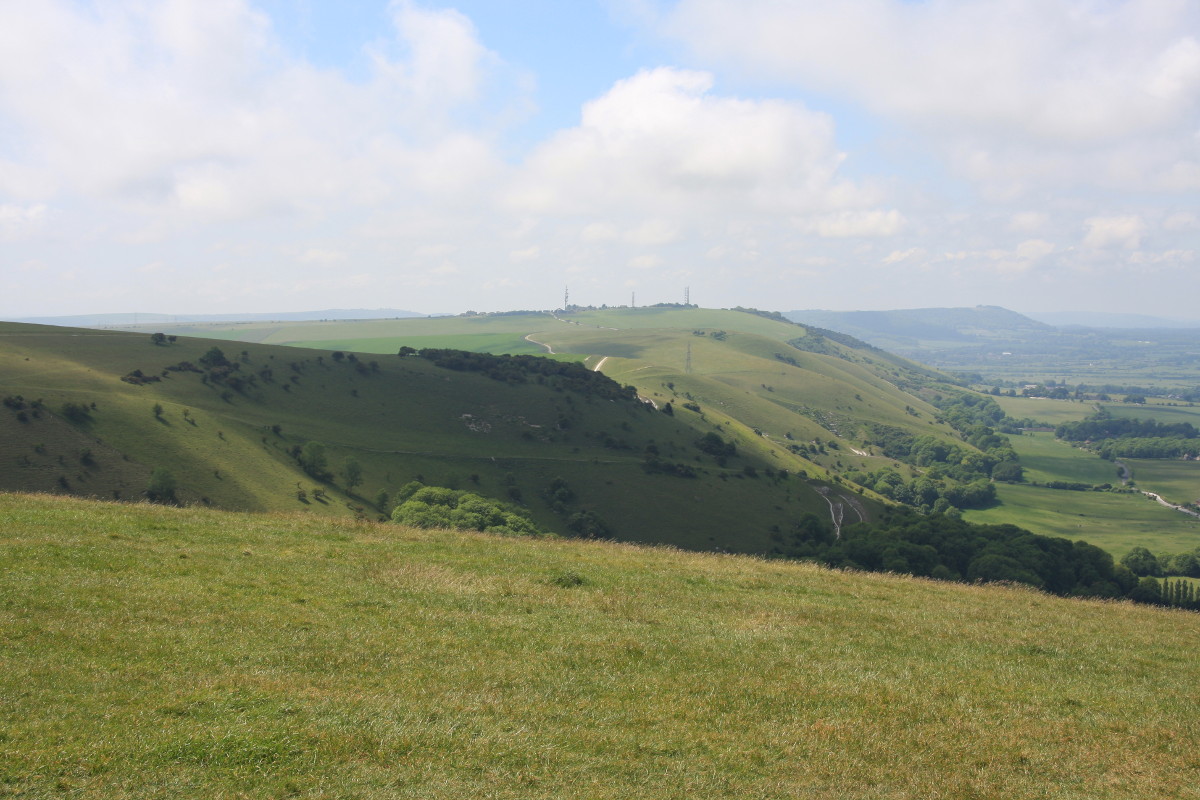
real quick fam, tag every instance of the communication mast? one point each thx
(566, 297)
(687, 295)
(633, 299)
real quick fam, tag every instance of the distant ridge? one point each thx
(888, 329)
(97, 320)
(1096, 319)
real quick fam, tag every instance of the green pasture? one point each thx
(1052, 412)
(1177, 481)
(1113, 521)
(152, 652)
(1048, 459)
(1159, 411)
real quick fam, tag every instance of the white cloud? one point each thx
(661, 141)
(1028, 222)
(1182, 221)
(645, 262)
(18, 221)
(1035, 249)
(899, 256)
(532, 253)
(186, 112)
(848, 224)
(1105, 232)
(1019, 93)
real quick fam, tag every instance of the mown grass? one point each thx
(154, 652)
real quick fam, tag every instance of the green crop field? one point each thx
(150, 652)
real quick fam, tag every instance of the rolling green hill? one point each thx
(795, 401)
(79, 419)
(151, 652)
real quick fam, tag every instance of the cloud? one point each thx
(900, 256)
(1105, 232)
(531, 253)
(1018, 93)
(1182, 221)
(19, 221)
(848, 224)
(188, 113)
(662, 141)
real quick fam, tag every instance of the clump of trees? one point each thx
(312, 459)
(1112, 437)
(161, 487)
(904, 541)
(439, 507)
(569, 375)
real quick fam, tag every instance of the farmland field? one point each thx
(1052, 412)
(1048, 459)
(1177, 481)
(1115, 522)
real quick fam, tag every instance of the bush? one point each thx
(438, 507)
(161, 488)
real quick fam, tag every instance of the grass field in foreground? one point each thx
(158, 652)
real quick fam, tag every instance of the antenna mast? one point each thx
(566, 297)
(687, 295)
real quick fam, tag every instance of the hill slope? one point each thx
(160, 652)
(574, 454)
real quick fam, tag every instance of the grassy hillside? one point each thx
(746, 370)
(402, 419)
(151, 652)
(799, 398)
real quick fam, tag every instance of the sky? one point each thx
(236, 156)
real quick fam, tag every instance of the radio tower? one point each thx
(633, 299)
(687, 295)
(566, 297)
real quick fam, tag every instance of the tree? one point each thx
(214, 358)
(158, 410)
(158, 338)
(161, 488)
(352, 473)
(1141, 562)
(313, 461)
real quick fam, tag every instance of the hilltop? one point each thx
(165, 652)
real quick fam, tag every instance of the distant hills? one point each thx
(907, 327)
(103, 320)
(1095, 319)
(994, 345)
